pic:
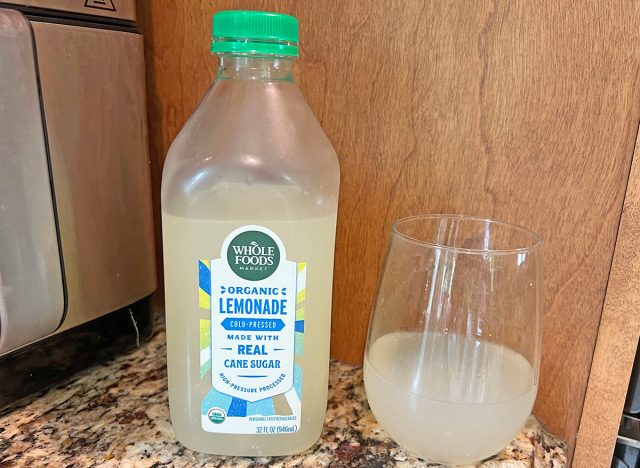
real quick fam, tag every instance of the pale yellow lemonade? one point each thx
(249, 201)
(185, 242)
(422, 392)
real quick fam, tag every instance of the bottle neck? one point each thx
(246, 67)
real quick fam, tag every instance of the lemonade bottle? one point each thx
(249, 201)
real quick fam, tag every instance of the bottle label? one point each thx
(248, 349)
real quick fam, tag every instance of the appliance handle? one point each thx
(31, 292)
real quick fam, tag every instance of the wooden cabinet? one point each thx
(521, 111)
(617, 337)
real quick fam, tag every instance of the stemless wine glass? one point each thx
(453, 353)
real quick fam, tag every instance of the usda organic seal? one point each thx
(217, 415)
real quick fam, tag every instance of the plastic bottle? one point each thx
(249, 202)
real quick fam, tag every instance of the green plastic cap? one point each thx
(255, 32)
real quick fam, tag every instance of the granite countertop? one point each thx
(117, 414)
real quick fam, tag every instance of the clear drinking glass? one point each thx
(453, 353)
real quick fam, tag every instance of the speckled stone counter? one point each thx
(117, 415)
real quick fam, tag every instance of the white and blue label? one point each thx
(256, 297)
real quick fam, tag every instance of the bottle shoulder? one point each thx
(250, 138)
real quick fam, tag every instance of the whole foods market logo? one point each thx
(253, 255)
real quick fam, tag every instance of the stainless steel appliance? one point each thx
(627, 449)
(76, 231)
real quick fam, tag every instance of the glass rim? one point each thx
(535, 244)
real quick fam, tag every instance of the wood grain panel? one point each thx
(617, 338)
(521, 111)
